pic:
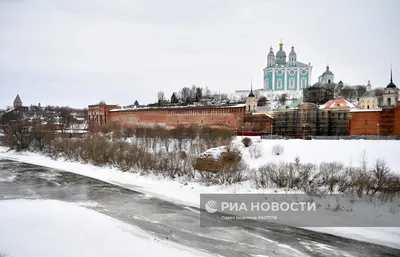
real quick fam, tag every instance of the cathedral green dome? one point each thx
(281, 55)
(271, 52)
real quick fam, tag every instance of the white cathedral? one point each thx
(286, 75)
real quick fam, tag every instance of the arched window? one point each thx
(329, 81)
(303, 83)
(368, 107)
(291, 84)
(389, 101)
(279, 83)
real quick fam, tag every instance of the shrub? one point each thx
(277, 149)
(246, 141)
(255, 151)
(231, 174)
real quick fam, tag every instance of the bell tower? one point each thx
(251, 101)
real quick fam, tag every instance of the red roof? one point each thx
(338, 104)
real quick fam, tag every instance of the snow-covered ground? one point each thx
(349, 152)
(41, 228)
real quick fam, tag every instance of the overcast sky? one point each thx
(78, 52)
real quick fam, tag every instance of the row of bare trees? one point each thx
(330, 177)
(172, 153)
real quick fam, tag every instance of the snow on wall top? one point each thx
(180, 107)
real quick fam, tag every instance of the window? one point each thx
(292, 84)
(339, 116)
(279, 83)
(303, 83)
(266, 83)
(345, 115)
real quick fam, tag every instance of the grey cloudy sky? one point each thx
(78, 52)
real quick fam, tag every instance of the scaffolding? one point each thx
(303, 122)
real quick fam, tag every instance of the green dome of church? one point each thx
(281, 55)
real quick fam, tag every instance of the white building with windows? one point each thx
(327, 77)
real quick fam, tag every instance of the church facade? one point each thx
(283, 74)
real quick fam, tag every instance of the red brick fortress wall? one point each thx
(219, 117)
(366, 122)
(397, 120)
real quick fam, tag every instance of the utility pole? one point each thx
(365, 130)
(271, 131)
(378, 130)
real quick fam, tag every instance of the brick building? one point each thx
(383, 122)
(301, 119)
(98, 114)
(17, 102)
(337, 115)
(261, 123)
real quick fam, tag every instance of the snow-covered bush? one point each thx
(330, 177)
(277, 149)
(255, 151)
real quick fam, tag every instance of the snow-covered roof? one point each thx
(266, 114)
(293, 105)
(263, 108)
(214, 153)
(338, 104)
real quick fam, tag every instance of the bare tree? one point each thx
(199, 94)
(262, 101)
(160, 96)
(207, 92)
(65, 117)
(283, 98)
(184, 93)
(193, 91)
